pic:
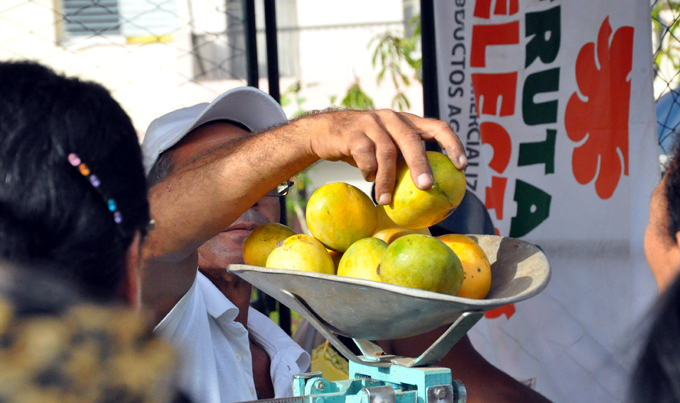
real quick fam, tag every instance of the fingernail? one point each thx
(384, 199)
(462, 160)
(425, 181)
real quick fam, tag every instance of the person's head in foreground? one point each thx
(662, 238)
(657, 375)
(55, 347)
(177, 138)
(73, 194)
(73, 210)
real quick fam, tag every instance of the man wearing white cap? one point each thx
(211, 186)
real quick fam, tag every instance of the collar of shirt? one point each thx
(287, 357)
(282, 350)
(217, 305)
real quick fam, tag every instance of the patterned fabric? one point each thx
(87, 354)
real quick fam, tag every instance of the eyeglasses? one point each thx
(281, 190)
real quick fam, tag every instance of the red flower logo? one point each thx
(602, 119)
(507, 310)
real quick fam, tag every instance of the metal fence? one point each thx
(160, 55)
(146, 52)
(666, 45)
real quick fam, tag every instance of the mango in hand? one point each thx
(414, 208)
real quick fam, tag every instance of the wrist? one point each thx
(306, 131)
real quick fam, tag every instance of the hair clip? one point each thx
(75, 161)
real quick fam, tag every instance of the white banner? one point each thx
(553, 101)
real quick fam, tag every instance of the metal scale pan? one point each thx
(368, 310)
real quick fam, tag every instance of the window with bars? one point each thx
(219, 49)
(126, 18)
(90, 17)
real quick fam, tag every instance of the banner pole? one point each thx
(429, 49)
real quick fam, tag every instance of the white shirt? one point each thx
(215, 350)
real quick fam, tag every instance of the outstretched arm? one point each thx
(484, 382)
(202, 198)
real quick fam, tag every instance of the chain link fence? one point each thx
(144, 51)
(156, 56)
(666, 46)
(159, 55)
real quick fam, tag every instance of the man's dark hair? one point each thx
(161, 169)
(50, 214)
(672, 196)
(656, 377)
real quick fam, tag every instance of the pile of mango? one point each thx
(353, 237)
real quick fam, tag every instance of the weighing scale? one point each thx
(367, 310)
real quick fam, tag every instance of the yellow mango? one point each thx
(362, 259)
(388, 231)
(414, 208)
(301, 252)
(336, 256)
(262, 240)
(423, 262)
(477, 277)
(339, 214)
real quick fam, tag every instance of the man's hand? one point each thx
(219, 172)
(484, 382)
(373, 140)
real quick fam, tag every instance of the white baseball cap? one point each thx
(249, 106)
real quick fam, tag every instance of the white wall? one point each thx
(150, 79)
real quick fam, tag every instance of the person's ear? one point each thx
(129, 287)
